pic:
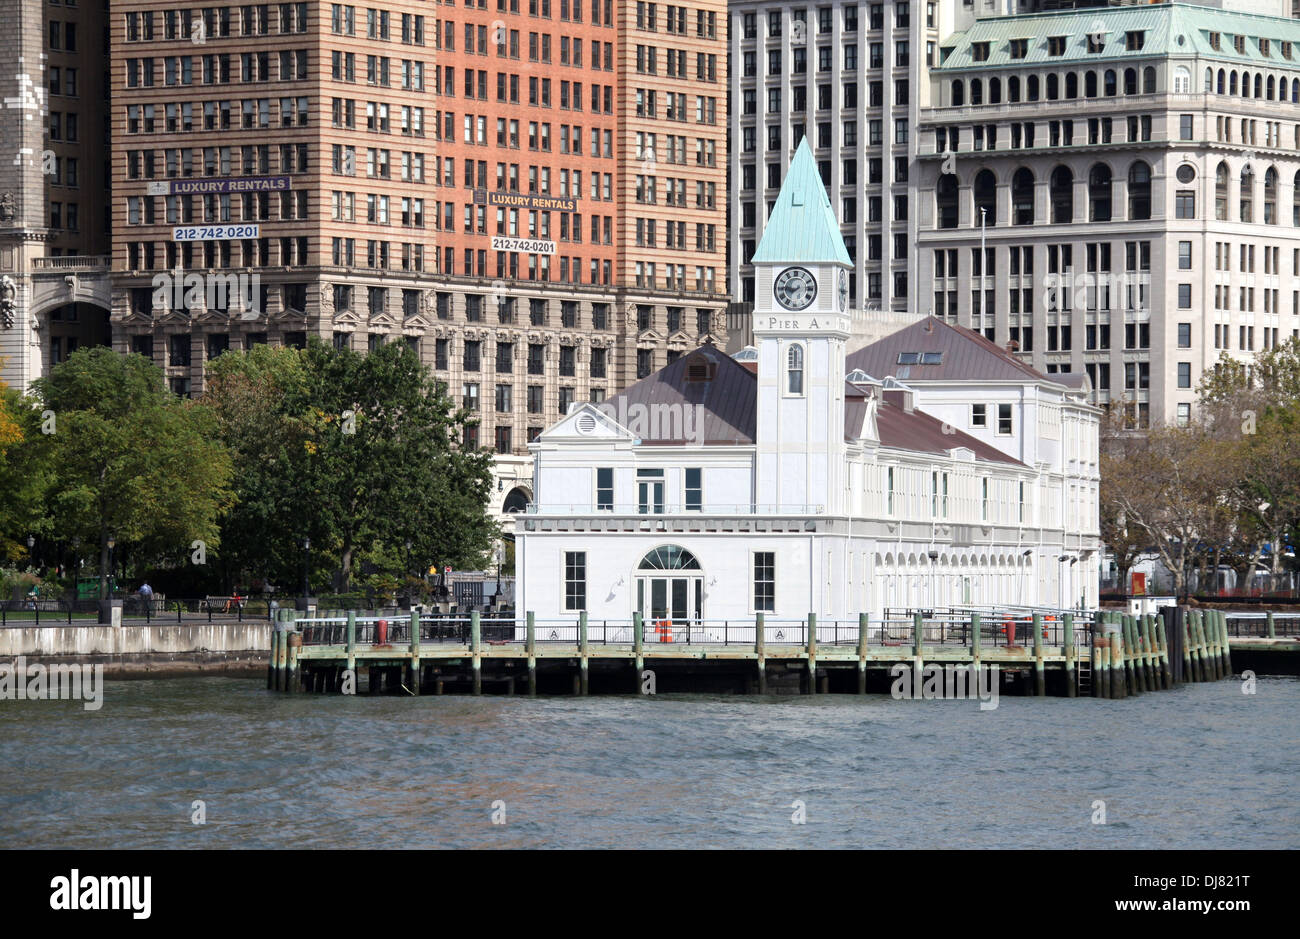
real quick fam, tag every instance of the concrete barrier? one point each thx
(153, 651)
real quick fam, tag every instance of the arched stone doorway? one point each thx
(517, 500)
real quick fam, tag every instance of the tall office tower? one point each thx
(529, 192)
(851, 78)
(1117, 193)
(53, 190)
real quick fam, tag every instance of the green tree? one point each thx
(383, 461)
(132, 460)
(24, 472)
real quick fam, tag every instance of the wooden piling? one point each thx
(918, 651)
(1198, 659)
(975, 627)
(476, 651)
(583, 651)
(291, 674)
(1161, 639)
(760, 646)
(638, 656)
(270, 660)
(1071, 688)
(352, 645)
(1148, 662)
(1227, 645)
(862, 653)
(1040, 675)
(1189, 664)
(1209, 654)
(530, 646)
(812, 653)
(1100, 666)
(415, 652)
(1118, 688)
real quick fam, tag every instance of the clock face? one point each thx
(795, 288)
(844, 291)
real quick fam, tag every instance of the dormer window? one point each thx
(1019, 48)
(1096, 43)
(1263, 47)
(1135, 39)
(1056, 45)
(1215, 42)
(980, 51)
(794, 371)
(1239, 43)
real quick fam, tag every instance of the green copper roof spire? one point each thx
(803, 226)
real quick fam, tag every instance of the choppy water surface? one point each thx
(1204, 766)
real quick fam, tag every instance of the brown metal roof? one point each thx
(966, 356)
(918, 431)
(729, 398)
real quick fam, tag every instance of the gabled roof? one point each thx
(1169, 28)
(966, 355)
(916, 430)
(728, 399)
(802, 226)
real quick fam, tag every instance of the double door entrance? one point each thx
(671, 606)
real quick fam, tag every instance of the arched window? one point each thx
(1031, 87)
(1072, 85)
(1295, 200)
(976, 91)
(1110, 83)
(1209, 80)
(1139, 191)
(794, 370)
(1221, 193)
(1013, 89)
(1090, 84)
(1259, 86)
(1295, 91)
(1232, 84)
(1061, 185)
(516, 501)
(1219, 86)
(1099, 184)
(945, 200)
(958, 93)
(1270, 88)
(1022, 197)
(985, 190)
(1149, 80)
(1270, 196)
(995, 91)
(1247, 194)
(1245, 84)
(669, 557)
(1130, 81)
(1053, 87)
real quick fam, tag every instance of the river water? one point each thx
(1202, 766)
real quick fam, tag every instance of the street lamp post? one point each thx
(306, 566)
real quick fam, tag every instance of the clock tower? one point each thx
(801, 326)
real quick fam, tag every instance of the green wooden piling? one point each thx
(812, 653)
(1118, 688)
(1100, 666)
(1194, 631)
(582, 651)
(1132, 669)
(1272, 626)
(760, 646)
(270, 659)
(1071, 688)
(415, 652)
(352, 645)
(476, 651)
(1189, 671)
(976, 625)
(1040, 674)
(862, 653)
(1160, 638)
(918, 648)
(530, 646)
(1227, 644)
(1144, 644)
(292, 676)
(1208, 651)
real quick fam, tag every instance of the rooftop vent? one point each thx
(699, 369)
(586, 423)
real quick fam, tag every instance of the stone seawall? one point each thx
(156, 651)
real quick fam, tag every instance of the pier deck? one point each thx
(1068, 654)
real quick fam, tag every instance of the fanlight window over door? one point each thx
(669, 558)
